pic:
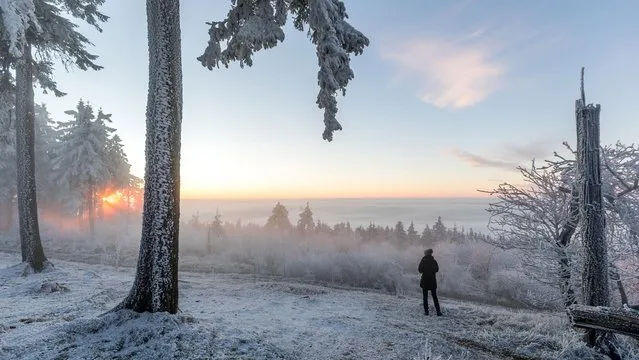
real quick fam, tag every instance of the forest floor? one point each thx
(60, 314)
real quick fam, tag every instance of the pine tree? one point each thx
(215, 232)
(411, 234)
(279, 218)
(81, 161)
(400, 233)
(117, 163)
(305, 224)
(427, 239)
(155, 288)
(439, 230)
(7, 151)
(46, 138)
(251, 25)
(40, 25)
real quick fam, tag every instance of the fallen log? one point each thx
(616, 320)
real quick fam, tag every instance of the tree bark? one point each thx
(607, 319)
(91, 205)
(6, 214)
(563, 241)
(614, 275)
(31, 245)
(155, 288)
(595, 276)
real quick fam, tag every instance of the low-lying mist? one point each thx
(373, 257)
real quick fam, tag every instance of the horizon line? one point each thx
(275, 198)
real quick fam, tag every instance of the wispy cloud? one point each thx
(508, 156)
(481, 161)
(450, 73)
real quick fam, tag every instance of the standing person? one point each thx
(428, 267)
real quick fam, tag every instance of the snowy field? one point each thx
(59, 315)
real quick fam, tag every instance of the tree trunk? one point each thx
(595, 276)
(607, 319)
(209, 236)
(6, 214)
(91, 205)
(563, 241)
(32, 251)
(614, 275)
(565, 284)
(81, 214)
(155, 288)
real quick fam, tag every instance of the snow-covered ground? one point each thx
(59, 315)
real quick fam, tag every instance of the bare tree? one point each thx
(538, 219)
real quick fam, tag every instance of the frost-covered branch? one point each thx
(17, 17)
(252, 25)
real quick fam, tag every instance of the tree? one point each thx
(28, 24)
(427, 237)
(411, 234)
(7, 151)
(155, 288)
(252, 25)
(82, 161)
(439, 230)
(117, 163)
(400, 233)
(45, 138)
(538, 219)
(215, 231)
(305, 223)
(279, 218)
(31, 245)
(595, 275)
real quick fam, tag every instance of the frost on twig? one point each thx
(252, 25)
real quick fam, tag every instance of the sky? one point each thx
(449, 97)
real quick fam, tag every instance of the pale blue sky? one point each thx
(446, 96)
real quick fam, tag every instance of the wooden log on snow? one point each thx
(620, 321)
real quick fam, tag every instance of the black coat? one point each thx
(428, 267)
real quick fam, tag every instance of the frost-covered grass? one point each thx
(59, 315)
(473, 271)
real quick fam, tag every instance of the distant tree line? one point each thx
(278, 223)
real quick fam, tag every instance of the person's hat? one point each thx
(428, 252)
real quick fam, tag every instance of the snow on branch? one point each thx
(252, 25)
(17, 17)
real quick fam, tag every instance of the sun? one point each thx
(113, 198)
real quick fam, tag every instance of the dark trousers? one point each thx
(435, 300)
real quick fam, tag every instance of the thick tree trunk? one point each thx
(155, 288)
(607, 319)
(32, 251)
(595, 276)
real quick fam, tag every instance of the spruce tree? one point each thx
(40, 25)
(305, 224)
